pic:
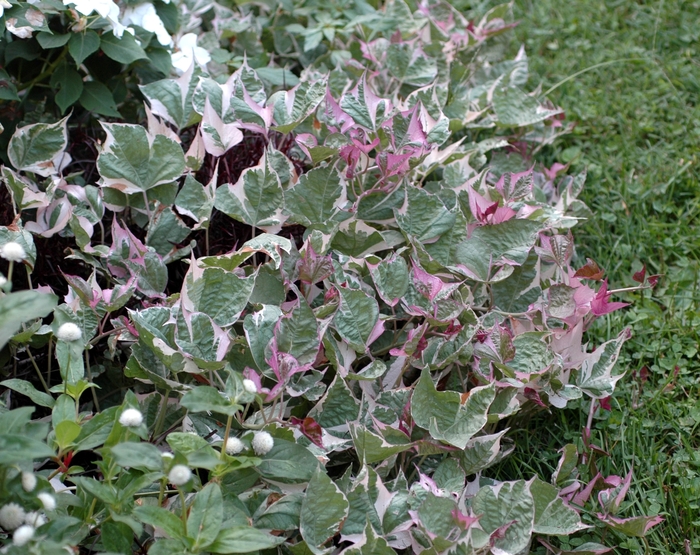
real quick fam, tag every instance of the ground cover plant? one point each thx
(306, 292)
(641, 154)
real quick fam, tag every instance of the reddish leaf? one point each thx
(310, 428)
(590, 271)
(639, 276)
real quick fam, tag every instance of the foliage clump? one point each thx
(337, 373)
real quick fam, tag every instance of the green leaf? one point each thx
(133, 162)
(338, 406)
(171, 99)
(515, 108)
(22, 306)
(206, 516)
(206, 288)
(327, 189)
(323, 510)
(510, 240)
(552, 515)
(81, 45)
(95, 431)
(116, 537)
(8, 90)
(357, 317)
(282, 514)
(595, 376)
(137, 455)
(259, 330)
(409, 65)
(436, 514)
(297, 333)
(243, 539)
(448, 415)
(204, 398)
(257, 198)
(69, 84)
(39, 147)
(424, 216)
(25, 388)
(519, 290)
(480, 452)
(196, 201)
(124, 50)
(370, 544)
(390, 277)
(97, 98)
(373, 448)
(532, 353)
(16, 448)
(51, 40)
(288, 462)
(70, 360)
(166, 231)
(509, 502)
(292, 107)
(66, 432)
(162, 518)
(277, 76)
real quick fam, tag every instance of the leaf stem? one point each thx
(38, 372)
(227, 433)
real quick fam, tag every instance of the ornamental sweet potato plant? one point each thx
(299, 306)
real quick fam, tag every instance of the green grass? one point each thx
(638, 133)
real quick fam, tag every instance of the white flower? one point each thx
(189, 52)
(167, 455)
(179, 475)
(262, 443)
(47, 500)
(249, 386)
(22, 535)
(11, 516)
(4, 5)
(28, 481)
(3, 279)
(131, 418)
(69, 332)
(234, 446)
(35, 518)
(145, 16)
(106, 8)
(13, 252)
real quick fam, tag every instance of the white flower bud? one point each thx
(131, 418)
(35, 519)
(11, 516)
(234, 446)
(47, 500)
(69, 332)
(22, 535)
(167, 455)
(249, 386)
(28, 481)
(179, 475)
(262, 443)
(3, 281)
(13, 252)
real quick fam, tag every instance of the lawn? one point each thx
(628, 74)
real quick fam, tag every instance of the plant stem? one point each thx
(227, 433)
(161, 415)
(89, 377)
(38, 372)
(184, 510)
